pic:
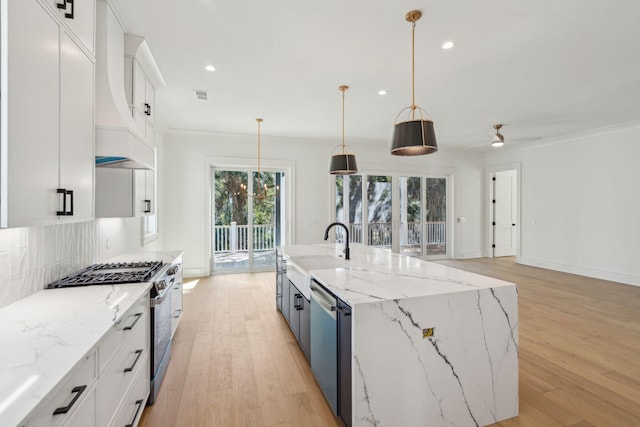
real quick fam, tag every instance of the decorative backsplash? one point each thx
(32, 257)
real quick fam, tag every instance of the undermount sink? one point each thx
(319, 262)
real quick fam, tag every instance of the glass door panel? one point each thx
(410, 215)
(436, 216)
(379, 213)
(349, 206)
(263, 224)
(231, 213)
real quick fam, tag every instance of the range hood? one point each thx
(119, 143)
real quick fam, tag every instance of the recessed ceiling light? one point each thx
(210, 68)
(447, 45)
(382, 92)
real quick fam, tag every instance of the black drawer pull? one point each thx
(139, 405)
(128, 328)
(78, 390)
(147, 206)
(130, 368)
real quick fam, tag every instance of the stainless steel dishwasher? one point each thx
(324, 342)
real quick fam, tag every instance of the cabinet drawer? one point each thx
(133, 404)
(67, 398)
(85, 415)
(119, 373)
(128, 324)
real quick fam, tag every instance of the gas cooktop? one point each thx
(110, 274)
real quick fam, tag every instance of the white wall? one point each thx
(581, 204)
(186, 212)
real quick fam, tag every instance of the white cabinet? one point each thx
(176, 300)
(47, 139)
(124, 193)
(124, 365)
(141, 98)
(77, 159)
(79, 16)
(73, 402)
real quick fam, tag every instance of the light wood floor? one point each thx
(236, 363)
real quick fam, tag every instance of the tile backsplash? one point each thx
(32, 257)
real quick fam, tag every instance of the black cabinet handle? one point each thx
(64, 409)
(62, 191)
(139, 404)
(70, 193)
(147, 109)
(128, 328)
(147, 206)
(298, 303)
(513, 225)
(344, 312)
(130, 368)
(63, 5)
(65, 193)
(177, 315)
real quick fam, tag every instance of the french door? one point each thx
(248, 219)
(405, 214)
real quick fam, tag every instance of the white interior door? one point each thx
(504, 213)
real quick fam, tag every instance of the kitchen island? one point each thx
(430, 345)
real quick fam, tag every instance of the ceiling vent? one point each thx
(202, 95)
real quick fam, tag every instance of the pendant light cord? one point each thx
(413, 70)
(343, 89)
(343, 122)
(259, 173)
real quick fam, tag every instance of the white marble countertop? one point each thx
(46, 334)
(373, 274)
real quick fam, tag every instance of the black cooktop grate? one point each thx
(110, 274)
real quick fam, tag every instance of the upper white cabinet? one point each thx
(124, 193)
(47, 120)
(142, 78)
(79, 16)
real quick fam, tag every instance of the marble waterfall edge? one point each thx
(466, 374)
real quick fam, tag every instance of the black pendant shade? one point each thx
(343, 164)
(414, 138)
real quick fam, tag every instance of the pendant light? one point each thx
(498, 139)
(414, 135)
(343, 163)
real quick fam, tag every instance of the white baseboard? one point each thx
(194, 272)
(583, 270)
(463, 255)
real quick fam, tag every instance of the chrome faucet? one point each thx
(346, 240)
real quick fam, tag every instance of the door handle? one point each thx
(64, 4)
(62, 191)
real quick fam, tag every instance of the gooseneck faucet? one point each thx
(346, 240)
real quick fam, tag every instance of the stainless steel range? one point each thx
(162, 277)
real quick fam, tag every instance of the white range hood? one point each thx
(118, 142)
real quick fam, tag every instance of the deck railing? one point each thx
(379, 233)
(235, 238)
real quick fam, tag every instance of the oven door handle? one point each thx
(159, 299)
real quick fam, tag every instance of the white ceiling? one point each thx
(545, 68)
